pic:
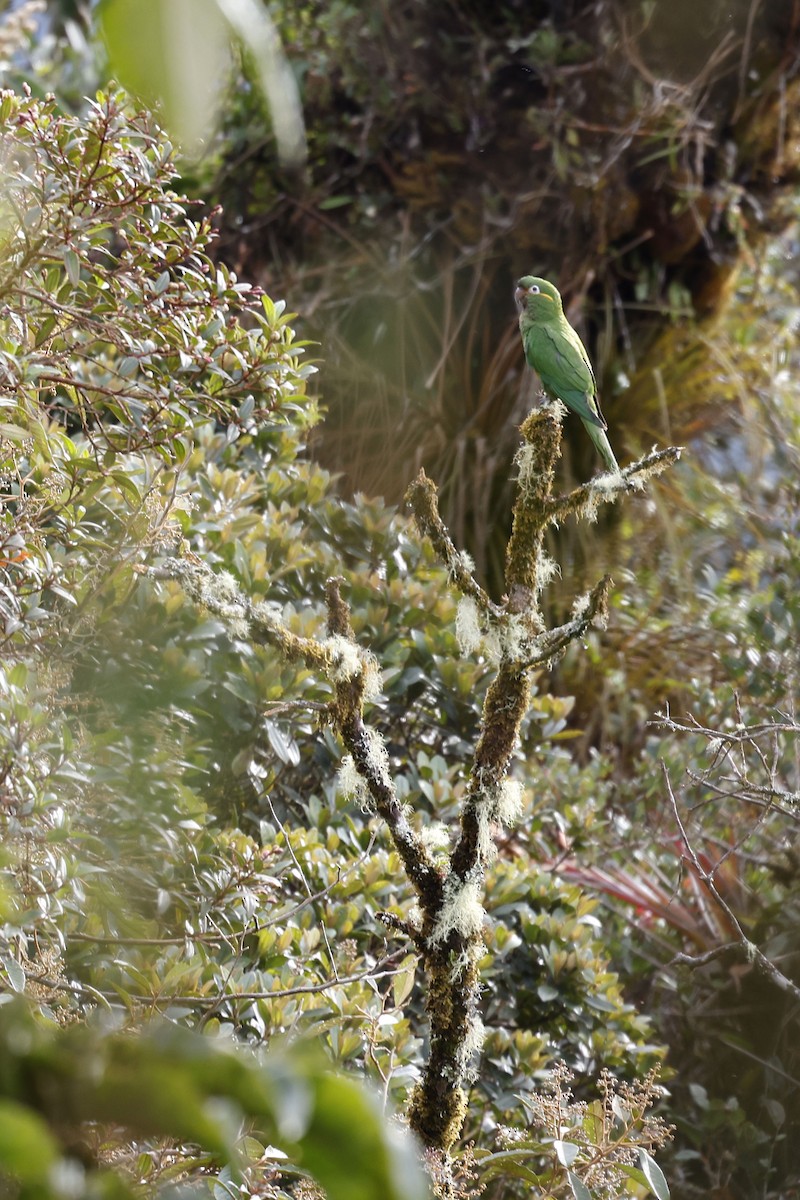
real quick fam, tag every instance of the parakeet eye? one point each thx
(534, 289)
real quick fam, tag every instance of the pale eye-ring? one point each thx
(534, 289)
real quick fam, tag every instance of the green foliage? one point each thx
(176, 55)
(583, 1150)
(706, 633)
(168, 805)
(167, 1083)
(118, 338)
(177, 841)
(132, 366)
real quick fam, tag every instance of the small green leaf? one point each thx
(13, 433)
(634, 1173)
(252, 1149)
(567, 1152)
(285, 747)
(593, 1123)
(15, 973)
(334, 202)
(128, 366)
(127, 486)
(144, 1165)
(72, 265)
(579, 1188)
(403, 982)
(654, 1175)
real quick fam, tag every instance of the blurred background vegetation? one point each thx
(174, 840)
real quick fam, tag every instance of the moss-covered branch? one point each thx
(514, 635)
(511, 633)
(368, 753)
(583, 502)
(353, 674)
(422, 498)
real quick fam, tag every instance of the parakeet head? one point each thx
(537, 298)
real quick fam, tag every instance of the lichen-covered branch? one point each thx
(591, 610)
(513, 635)
(583, 501)
(536, 462)
(423, 500)
(369, 756)
(261, 622)
(353, 674)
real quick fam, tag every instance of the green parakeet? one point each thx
(559, 358)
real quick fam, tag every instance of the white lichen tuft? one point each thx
(461, 910)
(471, 1047)
(516, 636)
(493, 646)
(580, 605)
(519, 636)
(525, 460)
(378, 755)
(239, 627)
(487, 850)
(217, 593)
(348, 660)
(591, 505)
(373, 680)
(350, 784)
(414, 918)
(344, 656)
(435, 837)
(462, 563)
(468, 629)
(220, 593)
(508, 803)
(227, 588)
(466, 960)
(546, 570)
(608, 483)
(473, 1042)
(268, 613)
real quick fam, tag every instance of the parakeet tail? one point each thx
(603, 445)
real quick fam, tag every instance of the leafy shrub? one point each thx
(177, 841)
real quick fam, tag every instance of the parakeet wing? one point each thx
(556, 353)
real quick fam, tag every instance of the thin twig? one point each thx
(421, 497)
(92, 993)
(306, 884)
(751, 951)
(111, 940)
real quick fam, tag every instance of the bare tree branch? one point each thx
(749, 949)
